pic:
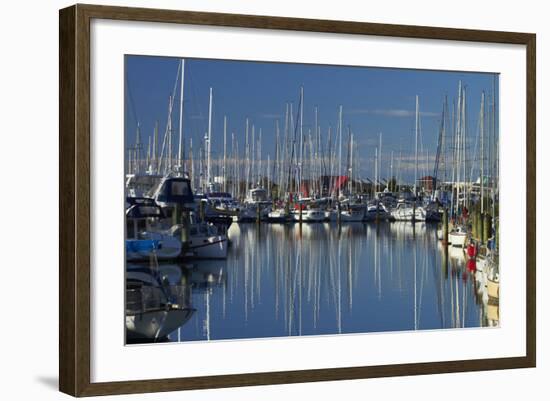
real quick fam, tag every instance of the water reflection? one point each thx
(291, 280)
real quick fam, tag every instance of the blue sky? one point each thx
(374, 100)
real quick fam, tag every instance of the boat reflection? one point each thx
(312, 279)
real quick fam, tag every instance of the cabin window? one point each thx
(180, 188)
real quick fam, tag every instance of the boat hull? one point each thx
(458, 239)
(209, 247)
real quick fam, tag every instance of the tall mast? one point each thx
(350, 162)
(482, 152)
(375, 172)
(301, 137)
(148, 161)
(180, 144)
(137, 157)
(416, 150)
(253, 156)
(209, 144)
(260, 158)
(463, 152)
(391, 172)
(192, 162)
(154, 156)
(380, 163)
(224, 153)
(246, 158)
(340, 146)
(169, 165)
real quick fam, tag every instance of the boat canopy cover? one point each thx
(142, 245)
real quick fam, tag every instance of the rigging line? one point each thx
(131, 99)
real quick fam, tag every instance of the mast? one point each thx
(224, 153)
(209, 143)
(137, 157)
(180, 144)
(170, 150)
(375, 172)
(416, 151)
(340, 147)
(380, 163)
(391, 172)
(253, 158)
(154, 156)
(482, 152)
(301, 138)
(192, 162)
(350, 162)
(246, 159)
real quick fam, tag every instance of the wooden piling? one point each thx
(185, 235)
(445, 228)
(258, 213)
(486, 227)
(202, 210)
(176, 214)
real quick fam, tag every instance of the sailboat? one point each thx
(410, 210)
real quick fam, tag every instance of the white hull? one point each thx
(309, 215)
(277, 216)
(209, 247)
(458, 239)
(352, 215)
(407, 214)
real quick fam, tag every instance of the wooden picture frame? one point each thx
(75, 207)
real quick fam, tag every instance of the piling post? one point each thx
(497, 235)
(445, 228)
(202, 211)
(258, 213)
(176, 214)
(185, 230)
(339, 213)
(486, 227)
(478, 223)
(287, 209)
(301, 206)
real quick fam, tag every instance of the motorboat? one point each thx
(144, 237)
(279, 215)
(377, 210)
(205, 241)
(407, 211)
(458, 236)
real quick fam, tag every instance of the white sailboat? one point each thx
(411, 211)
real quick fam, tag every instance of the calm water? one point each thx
(283, 280)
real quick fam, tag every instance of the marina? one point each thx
(305, 228)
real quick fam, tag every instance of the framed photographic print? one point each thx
(250, 200)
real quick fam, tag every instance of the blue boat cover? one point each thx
(142, 245)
